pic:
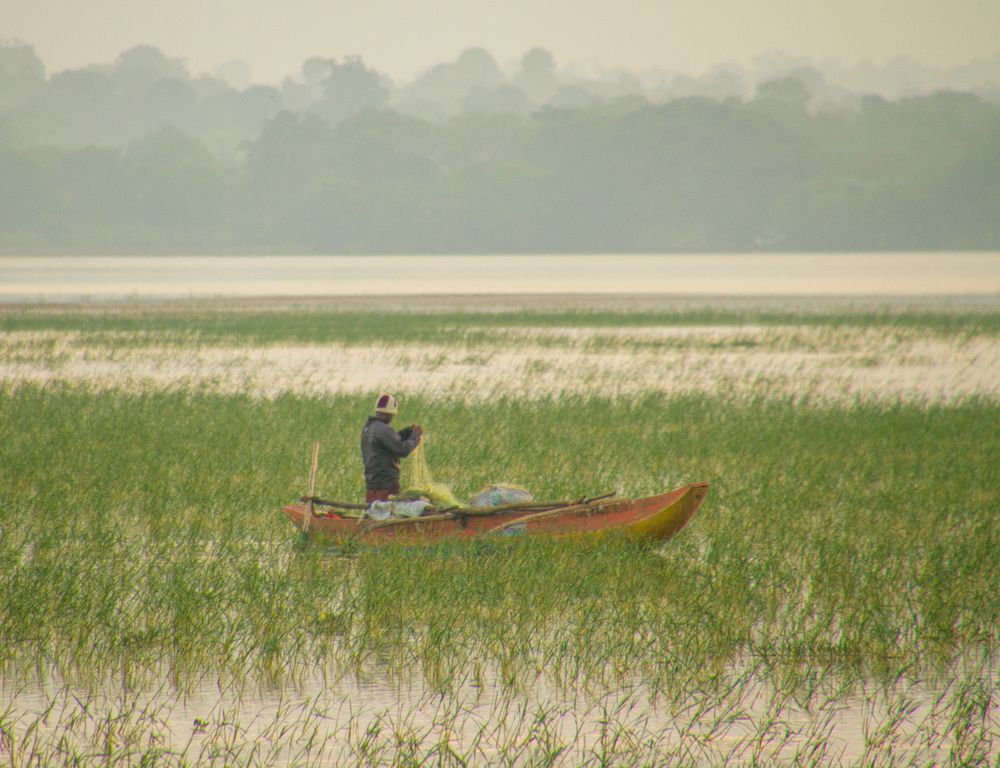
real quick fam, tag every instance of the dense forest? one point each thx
(140, 156)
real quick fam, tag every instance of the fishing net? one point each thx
(422, 484)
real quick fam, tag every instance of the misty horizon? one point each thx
(895, 76)
(143, 156)
(585, 36)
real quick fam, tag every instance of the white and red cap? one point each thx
(386, 404)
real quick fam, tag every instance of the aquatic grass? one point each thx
(845, 560)
(741, 723)
(832, 365)
(202, 323)
(181, 557)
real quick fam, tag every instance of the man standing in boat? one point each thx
(381, 449)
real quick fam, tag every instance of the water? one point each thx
(83, 278)
(344, 722)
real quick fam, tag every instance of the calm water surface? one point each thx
(326, 723)
(82, 278)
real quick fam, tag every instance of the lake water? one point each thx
(339, 722)
(85, 278)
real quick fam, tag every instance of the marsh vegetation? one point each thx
(834, 602)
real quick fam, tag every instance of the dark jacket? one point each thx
(381, 449)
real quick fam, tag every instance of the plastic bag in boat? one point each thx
(501, 495)
(383, 510)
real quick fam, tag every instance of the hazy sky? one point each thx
(400, 37)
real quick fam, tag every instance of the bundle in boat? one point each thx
(500, 495)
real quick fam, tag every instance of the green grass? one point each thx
(142, 531)
(203, 324)
(846, 556)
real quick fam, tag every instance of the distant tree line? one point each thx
(141, 157)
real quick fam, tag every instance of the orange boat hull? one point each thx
(653, 518)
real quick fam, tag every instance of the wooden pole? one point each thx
(307, 518)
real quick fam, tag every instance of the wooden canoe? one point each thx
(653, 518)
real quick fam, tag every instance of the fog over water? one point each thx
(765, 274)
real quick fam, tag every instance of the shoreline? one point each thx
(541, 278)
(986, 302)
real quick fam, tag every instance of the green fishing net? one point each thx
(421, 484)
